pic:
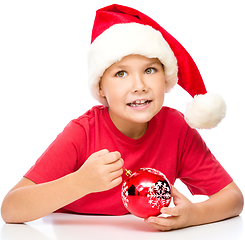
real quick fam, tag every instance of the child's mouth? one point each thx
(139, 103)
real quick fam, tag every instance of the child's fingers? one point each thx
(100, 153)
(116, 174)
(117, 165)
(115, 182)
(111, 157)
(174, 211)
(176, 193)
(160, 223)
(113, 162)
(178, 198)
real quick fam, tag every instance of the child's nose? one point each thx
(139, 84)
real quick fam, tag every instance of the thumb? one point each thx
(177, 199)
(175, 192)
(177, 196)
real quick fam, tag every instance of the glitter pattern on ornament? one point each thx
(145, 192)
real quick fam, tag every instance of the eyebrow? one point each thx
(122, 66)
(154, 60)
(149, 63)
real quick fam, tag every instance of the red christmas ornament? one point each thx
(145, 192)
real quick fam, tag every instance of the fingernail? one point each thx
(151, 220)
(163, 210)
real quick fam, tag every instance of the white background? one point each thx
(43, 72)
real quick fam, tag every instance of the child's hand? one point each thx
(102, 171)
(179, 216)
(226, 203)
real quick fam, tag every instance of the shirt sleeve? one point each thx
(62, 157)
(199, 169)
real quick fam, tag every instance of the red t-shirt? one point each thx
(168, 145)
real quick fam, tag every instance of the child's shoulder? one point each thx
(96, 112)
(171, 118)
(80, 125)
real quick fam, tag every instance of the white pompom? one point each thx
(205, 111)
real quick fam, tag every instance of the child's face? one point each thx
(134, 89)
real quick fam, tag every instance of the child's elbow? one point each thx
(7, 212)
(6, 218)
(240, 202)
(234, 199)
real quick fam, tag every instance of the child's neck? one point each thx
(134, 131)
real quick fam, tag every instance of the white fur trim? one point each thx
(122, 40)
(205, 111)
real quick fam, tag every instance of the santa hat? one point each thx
(120, 31)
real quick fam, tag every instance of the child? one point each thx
(132, 63)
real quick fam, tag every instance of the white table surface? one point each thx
(71, 227)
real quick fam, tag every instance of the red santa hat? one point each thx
(120, 31)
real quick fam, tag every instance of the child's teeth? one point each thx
(138, 103)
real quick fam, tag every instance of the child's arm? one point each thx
(28, 201)
(224, 204)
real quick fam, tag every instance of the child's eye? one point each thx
(121, 74)
(150, 70)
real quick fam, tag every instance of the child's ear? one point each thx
(101, 91)
(102, 94)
